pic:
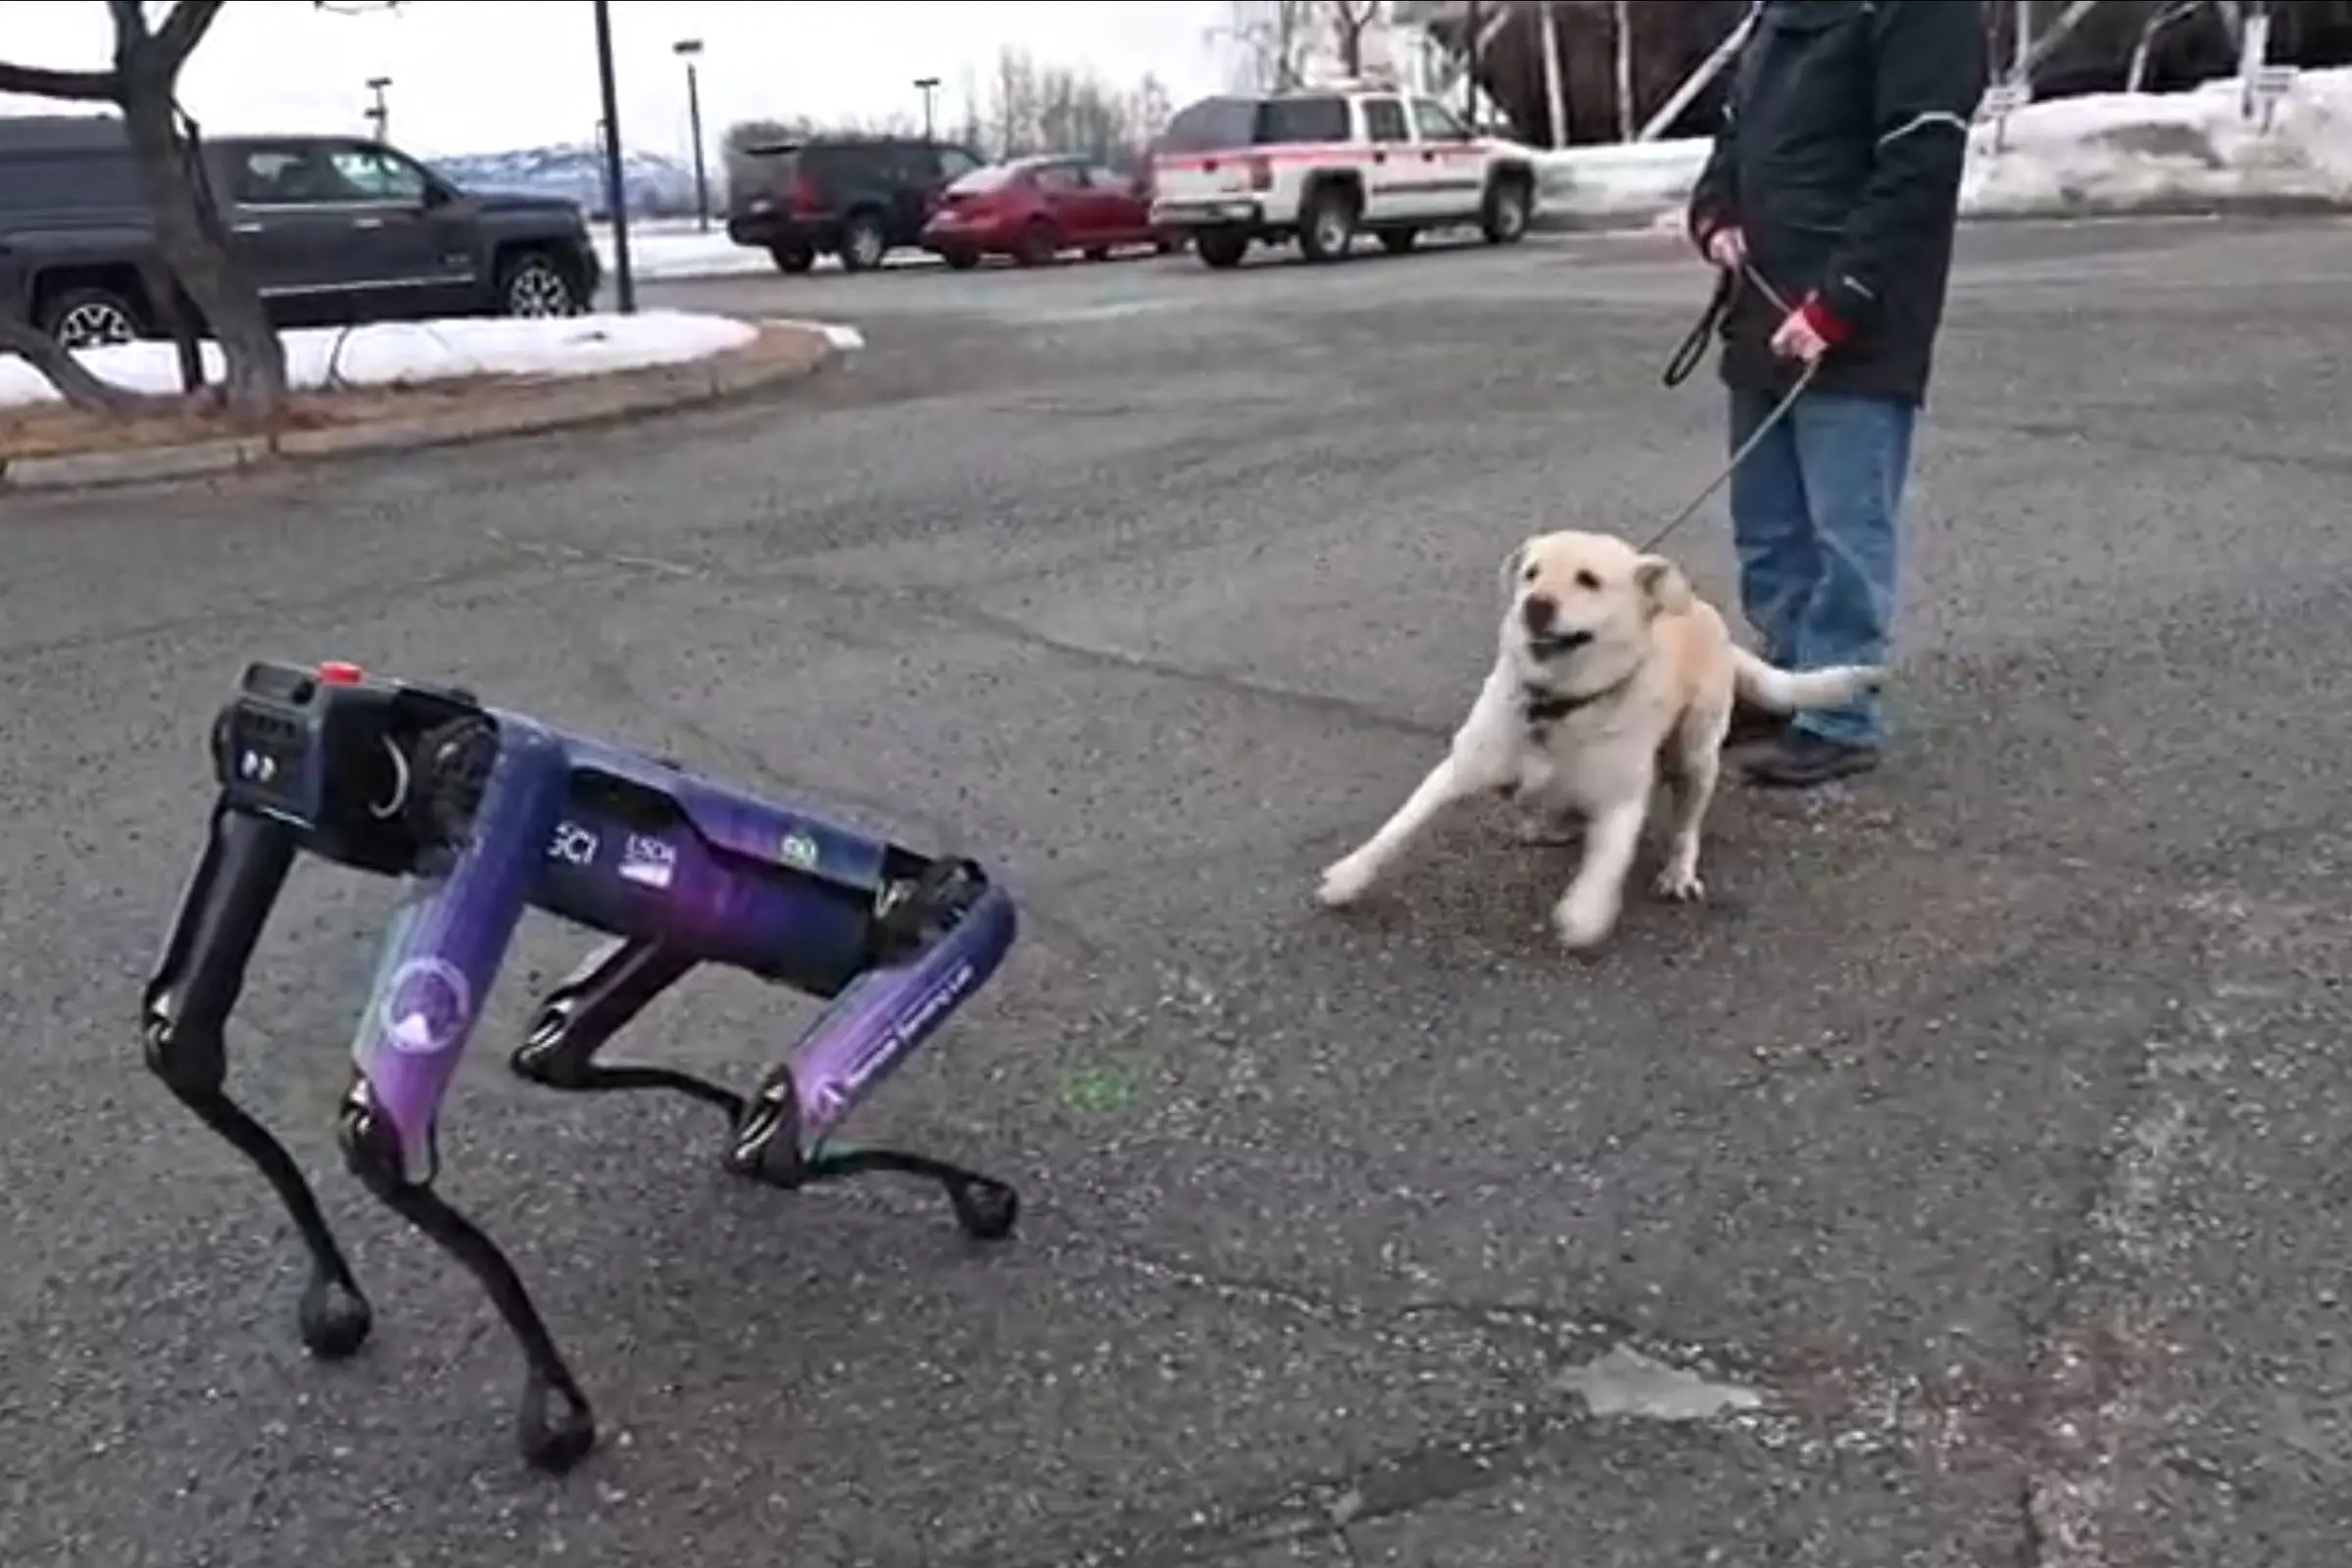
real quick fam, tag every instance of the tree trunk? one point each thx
(2056, 33)
(172, 315)
(2144, 48)
(77, 385)
(195, 245)
(1621, 13)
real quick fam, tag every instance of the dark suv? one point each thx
(851, 198)
(333, 231)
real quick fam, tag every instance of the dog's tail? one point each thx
(1785, 691)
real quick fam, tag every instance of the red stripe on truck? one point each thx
(1312, 153)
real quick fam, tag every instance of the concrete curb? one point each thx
(619, 395)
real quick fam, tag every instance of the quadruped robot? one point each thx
(485, 815)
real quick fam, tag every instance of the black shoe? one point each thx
(1801, 760)
(1751, 724)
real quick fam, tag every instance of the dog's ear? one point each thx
(1509, 575)
(1663, 586)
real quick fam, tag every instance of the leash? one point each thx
(1686, 357)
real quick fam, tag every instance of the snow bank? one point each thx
(2123, 152)
(1622, 182)
(2101, 153)
(677, 248)
(394, 352)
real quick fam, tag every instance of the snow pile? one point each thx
(2126, 152)
(398, 353)
(1624, 181)
(2100, 153)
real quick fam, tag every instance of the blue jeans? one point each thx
(1815, 511)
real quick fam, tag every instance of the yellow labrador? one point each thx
(1609, 672)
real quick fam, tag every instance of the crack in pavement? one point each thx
(1591, 1372)
(2085, 1393)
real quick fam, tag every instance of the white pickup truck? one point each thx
(1321, 165)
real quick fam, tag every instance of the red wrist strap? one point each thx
(1817, 317)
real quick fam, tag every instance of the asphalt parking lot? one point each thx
(1962, 1185)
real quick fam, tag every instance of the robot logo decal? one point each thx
(425, 1007)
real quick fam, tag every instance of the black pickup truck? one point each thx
(332, 230)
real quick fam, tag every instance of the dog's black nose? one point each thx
(1538, 612)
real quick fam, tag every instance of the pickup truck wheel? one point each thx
(793, 258)
(531, 284)
(1396, 241)
(1328, 226)
(862, 243)
(1503, 215)
(1223, 247)
(90, 318)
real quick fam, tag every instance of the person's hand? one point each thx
(1797, 338)
(1727, 247)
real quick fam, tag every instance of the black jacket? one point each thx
(1844, 137)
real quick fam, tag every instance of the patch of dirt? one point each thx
(2186, 142)
(53, 429)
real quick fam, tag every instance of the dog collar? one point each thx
(1541, 706)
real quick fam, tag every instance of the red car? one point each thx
(1033, 208)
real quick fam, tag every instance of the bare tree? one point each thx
(1621, 21)
(1153, 110)
(190, 240)
(2056, 33)
(1349, 21)
(2144, 48)
(1272, 38)
(75, 384)
(1014, 106)
(1056, 108)
(972, 129)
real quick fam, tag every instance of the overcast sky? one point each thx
(486, 75)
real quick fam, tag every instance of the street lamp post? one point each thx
(380, 112)
(686, 49)
(927, 86)
(625, 284)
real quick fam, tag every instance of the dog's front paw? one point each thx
(1583, 920)
(1680, 884)
(1345, 882)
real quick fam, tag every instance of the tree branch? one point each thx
(184, 29)
(131, 22)
(77, 385)
(37, 82)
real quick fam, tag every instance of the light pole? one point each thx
(686, 49)
(927, 86)
(615, 192)
(379, 111)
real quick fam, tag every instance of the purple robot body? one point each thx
(484, 815)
